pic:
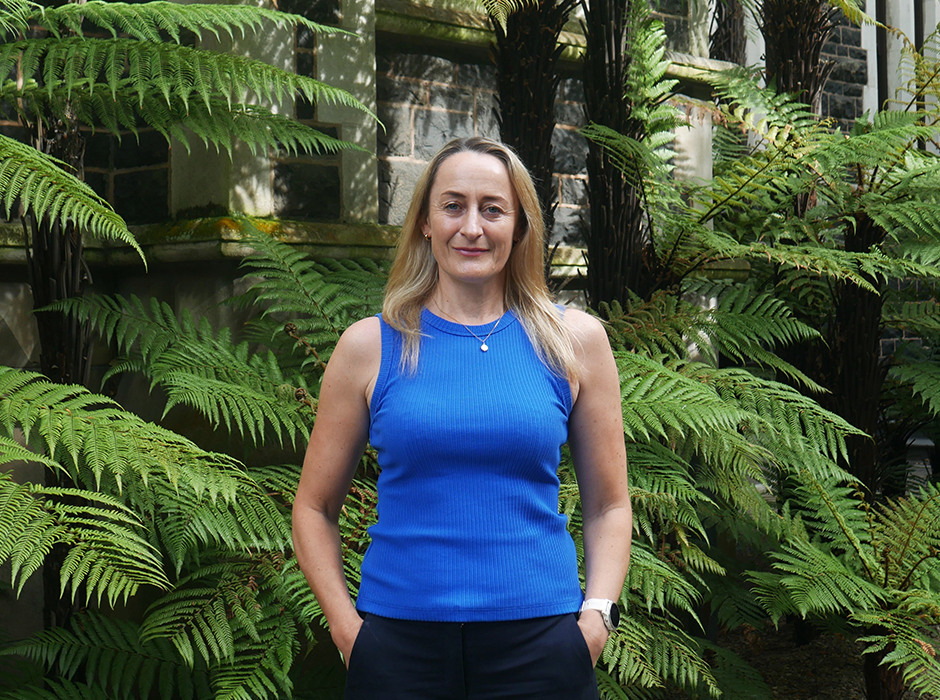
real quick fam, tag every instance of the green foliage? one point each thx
(200, 536)
(813, 219)
(118, 67)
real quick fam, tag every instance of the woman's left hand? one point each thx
(595, 633)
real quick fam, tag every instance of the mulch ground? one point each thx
(827, 668)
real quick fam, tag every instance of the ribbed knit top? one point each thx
(469, 446)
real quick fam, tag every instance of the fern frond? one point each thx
(14, 17)
(908, 539)
(246, 392)
(215, 121)
(659, 401)
(109, 655)
(86, 431)
(911, 644)
(106, 555)
(648, 649)
(924, 380)
(38, 183)
(148, 21)
(809, 580)
(59, 690)
(320, 299)
(171, 71)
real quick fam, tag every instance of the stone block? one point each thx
(434, 128)
(142, 197)
(570, 114)
(98, 150)
(839, 107)
(851, 36)
(408, 92)
(573, 191)
(396, 138)
(486, 115)
(850, 71)
(307, 191)
(571, 225)
(857, 53)
(571, 90)
(456, 99)
(570, 150)
(396, 184)
(475, 75)
(421, 67)
(853, 89)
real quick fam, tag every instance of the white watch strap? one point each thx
(602, 605)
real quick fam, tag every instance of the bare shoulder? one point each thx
(358, 354)
(361, 340)
(588, 333)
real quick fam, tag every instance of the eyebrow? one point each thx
(488, 198)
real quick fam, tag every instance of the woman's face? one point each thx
(472, 218)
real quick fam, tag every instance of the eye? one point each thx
(492, 210)
(451, 206)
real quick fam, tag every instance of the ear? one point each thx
(426, 228)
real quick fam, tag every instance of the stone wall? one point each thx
(424, 101)
(843, 92)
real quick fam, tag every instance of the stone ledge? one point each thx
(426, 25)
(220, 238)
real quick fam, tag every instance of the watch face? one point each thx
(614, 615)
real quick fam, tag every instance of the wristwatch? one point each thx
(607, 608)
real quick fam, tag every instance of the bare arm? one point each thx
(336, 444)
(595, 436)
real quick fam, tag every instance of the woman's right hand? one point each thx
(344, 637)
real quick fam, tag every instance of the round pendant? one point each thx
(484, 347)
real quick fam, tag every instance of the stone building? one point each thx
(423, 67)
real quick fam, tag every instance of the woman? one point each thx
(467, 387)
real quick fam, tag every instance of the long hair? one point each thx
(413, 277)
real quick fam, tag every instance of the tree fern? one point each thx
(110, 655)
(107, 556)
(154, 21)
(37, 183)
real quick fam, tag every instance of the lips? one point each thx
(471, 251)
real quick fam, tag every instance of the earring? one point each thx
(427, 236)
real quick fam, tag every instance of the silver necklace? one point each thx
(483, 346)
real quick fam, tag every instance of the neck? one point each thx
(471, 310)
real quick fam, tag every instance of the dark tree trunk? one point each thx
(526, 54)
(728, 41)
(57, 271)
(795, 32)
(854, 356)
(881, 682)
(620, 252)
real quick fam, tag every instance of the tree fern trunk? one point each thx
(857, 370)
(526, 54)
(57, 271)
(618, 247)
(881, 682)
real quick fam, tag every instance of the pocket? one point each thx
(580, 643)
(357, 643)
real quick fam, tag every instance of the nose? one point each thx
(472, 225)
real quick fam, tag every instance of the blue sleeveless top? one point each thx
(469, 446)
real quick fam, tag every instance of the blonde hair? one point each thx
(413, 277)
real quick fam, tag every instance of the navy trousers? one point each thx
(544, 658)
